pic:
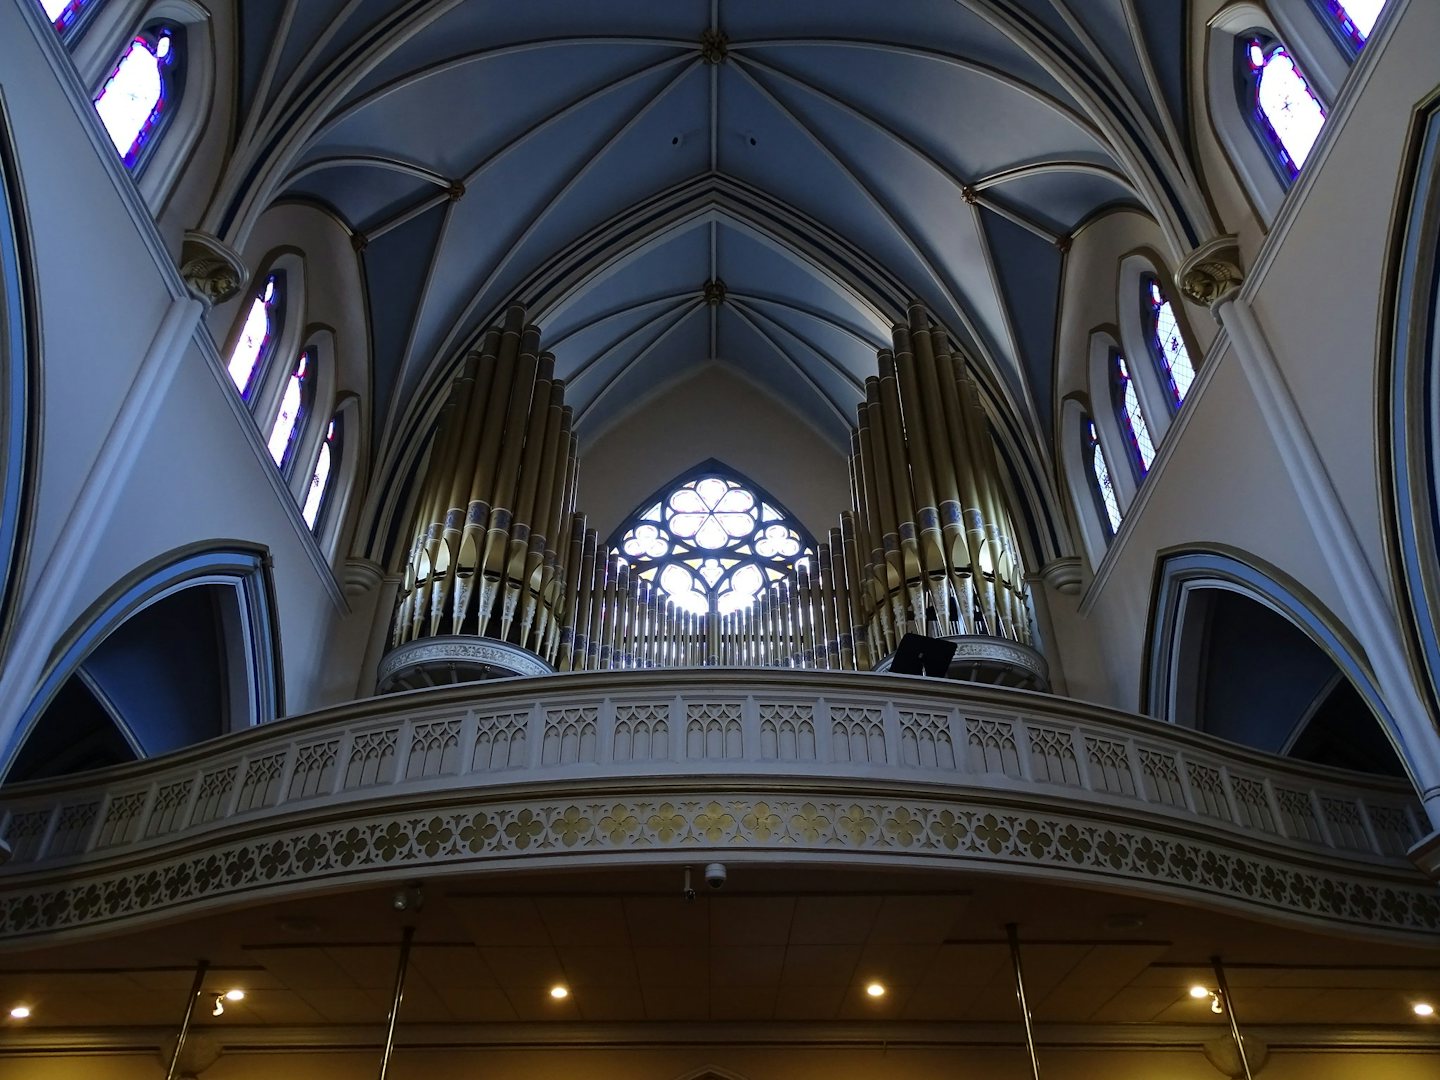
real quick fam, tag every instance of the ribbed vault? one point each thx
(957, 143)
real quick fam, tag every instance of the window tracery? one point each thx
(295, 402)
(142, 92)
(1130, 416)
(1282, 109)
(1167, 344)
(257, 337)
(713, 542)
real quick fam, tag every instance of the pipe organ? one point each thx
(501, 554)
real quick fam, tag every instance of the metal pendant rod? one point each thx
(400, 969)
(1224, 989)
(1013, 932)
(195, 986)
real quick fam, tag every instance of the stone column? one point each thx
(1213, 276)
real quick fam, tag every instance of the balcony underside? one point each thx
(631, 769)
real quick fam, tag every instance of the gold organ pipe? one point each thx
(910, 598)
(922, 473)
(537, 563)
(482, 470)
(530, 466)
(844, 636)
(502, 506)
(431, 524)
(825, 577)
(927, 363)
(473, 379)
(564, 657)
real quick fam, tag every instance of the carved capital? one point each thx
(1064, 575)
(213, 272)
(1212, 272)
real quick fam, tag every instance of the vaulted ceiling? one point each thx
(603, 163)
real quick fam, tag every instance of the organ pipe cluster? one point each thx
(500, 552)
(497, 502)
(931, 529)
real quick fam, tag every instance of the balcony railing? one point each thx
(650, 766)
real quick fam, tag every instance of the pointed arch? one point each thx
(712, 539)
(1174, 643)
(1409, 363)
(248, 632)
(19, 375)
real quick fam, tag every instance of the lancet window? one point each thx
(257, 337)
(142, 92)
(1102, 487)
(295, 403)
(1130, 416)
(1352, 20)
(67, 15)
(317, 494)
(1279, 104)
(713, 542)
(1167, 344)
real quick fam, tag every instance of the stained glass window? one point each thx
(141, 93)
(1104, 489)
(712, 539)
(294, 405)
(1132, 419)
(66, 14)
(1353, 20)
(315, 497)
(1283, 110)
(1167, 344)
(257, 338)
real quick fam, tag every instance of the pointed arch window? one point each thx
(1101, 486)
(257, 337)
(295, 404)
(1281, 108)
(67, 15)
(142, 93)
(1352, 21)
(712, 541)
(1166, 342)
(1130, 416)
(317, 496)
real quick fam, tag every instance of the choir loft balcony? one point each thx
(649, 768)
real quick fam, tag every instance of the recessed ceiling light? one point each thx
(558, 992)
(1197, 992)
(234, 995)
(875, 990)
(1423, 1008)
(20, 1012)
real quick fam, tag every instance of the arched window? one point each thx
(67, 15)
(317, 496)
(1129, 415)
(1101, 486)
(142, 92)
(295, 403)
(1278, 102)
(1351, 20)
(713, 541)
(257, 337)
(1167, 344)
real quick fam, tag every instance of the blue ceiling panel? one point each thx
(1029, 269)
(395, 291)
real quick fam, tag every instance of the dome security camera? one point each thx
(715, 875)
